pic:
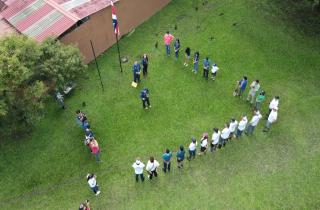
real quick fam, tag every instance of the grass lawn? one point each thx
(277, 170)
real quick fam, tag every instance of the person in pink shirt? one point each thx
(168, 38)
(94, 147)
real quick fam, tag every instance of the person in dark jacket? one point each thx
(145, 62)
(144, 95)
(136, 72)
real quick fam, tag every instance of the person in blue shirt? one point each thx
(136, 72)
(242, 85)
(176, 47)
(144, 62)
(206, 66)
(144, 95)
(166, 160)
(180, 156)
(196, 62)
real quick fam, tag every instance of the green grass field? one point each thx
(277, 170)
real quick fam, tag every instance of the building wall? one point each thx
(99, 28)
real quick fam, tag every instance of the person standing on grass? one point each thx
(215, 139)
(206, 66)
(225, 134)
(253, 123)
(260, 98)
(81, 118)
(138, 169)
(187, 56)
(176, 47)
(232, 127)
(168, 38)
(180, 156)
(152, 167)
(144, 95)
(242, 85)
(145, 62)
(273, 105)
(136, 72)
(203, 144)
(94, 147)
(92, 181)
(85, 205)
(242, 125)
(214, 70)
(254, 88)
(271, 119)
(192, 148)
(196, 62)
(166, 157)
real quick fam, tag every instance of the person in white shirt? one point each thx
(192, 148)
(254, 88)
(242, 125)
(232, 127)
(215, 139)
(91, 179)
(138, 169)
(214, 70)
(271, 119)
(225, 133)
(274, 104)
(253, 123)
(152, 167)
(204, 144)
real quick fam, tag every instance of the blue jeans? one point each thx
(176, 54)
(195, 67)
(250, 130)
(192, 154)
(95, 189)
(239, 133)
(168, 50)
(97, 156)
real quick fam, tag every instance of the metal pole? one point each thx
(95, 59)
(119, 52)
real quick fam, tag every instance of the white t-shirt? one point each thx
(138, 168)
(242, 124)
(273, 116)
(152, 166)
(92, 182)
(225, 133)
(255, 119)
(274, 104)
(233, 126)
(214, 69)
(215, 137)
(204, 143)
(193, 146)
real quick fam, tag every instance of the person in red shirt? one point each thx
(168, 38)
(94, 147)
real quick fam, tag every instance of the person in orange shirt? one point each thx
(168, 38)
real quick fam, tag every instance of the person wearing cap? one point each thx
(214, 70)
(136, 72)
(138, 169)
(254, 88)
(225, 134)
(168, 38)
(260, 98)
(203, 144)
(271, 119)
(144, 95)
(180, 156)
(152, 167)
(253, 123)
(206, 65)
(232, 127)
(192, 148)
(166, 157)
(274, 103)
(91, 179)
(242, 126)
(215, 139)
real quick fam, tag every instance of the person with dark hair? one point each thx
(166, 160)
(176, 47)
(242, 126)
(152, 167)
(136, 72)
(138, 169)
(92, 181)
(273, 105)
(232, 127)
(85, 205)
(196, 62)
(206, 66)
(187, 56)
(242, 85)
(168, 38)
(260, 98)
(253, 123)
(82, 119)
(180, 156)
(88, 135)
(95, 149)
(215, 139)
(225, 134)
(144, 95)
(145, 62)
(192, 148)
(254, 88)
(271, 119)
(214, 70)
(203, 144)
